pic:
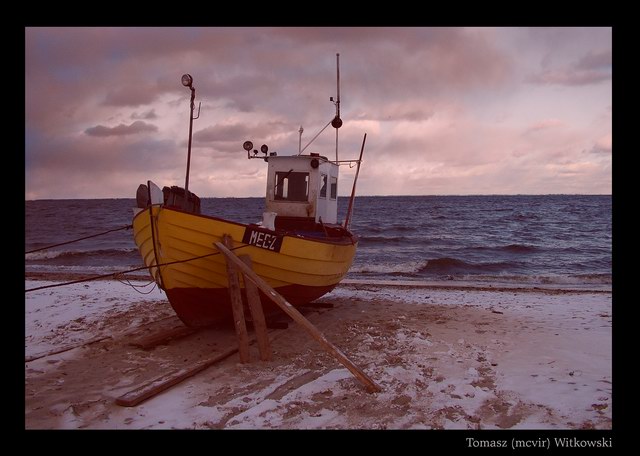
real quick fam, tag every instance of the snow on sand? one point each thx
(445, 359)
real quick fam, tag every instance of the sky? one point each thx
(447, 111)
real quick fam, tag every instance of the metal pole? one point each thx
(186, 182)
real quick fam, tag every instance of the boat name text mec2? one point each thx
(262, 239)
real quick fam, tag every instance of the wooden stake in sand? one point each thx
(236, 306)
(257, 315)
(298, 318)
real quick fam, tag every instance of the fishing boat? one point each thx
(298, 246)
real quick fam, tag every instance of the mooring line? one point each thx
(126, 227)
(117, 273)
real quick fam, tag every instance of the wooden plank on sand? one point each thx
(159, 384)
(65, 348)
(236, 305)
(298, 318)
(153, 340)
(257, 315)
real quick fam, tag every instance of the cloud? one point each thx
(396, 112)
(595, 61)
(603, 145)
(136, 127)
(544, 124)
(233, 132)
(132, 95)
(592, 68)
(229, 137)
(148, 115)
(428, 98)
(570, 77)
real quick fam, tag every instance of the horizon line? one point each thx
(348, 196)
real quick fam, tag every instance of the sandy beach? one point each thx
(446, 357)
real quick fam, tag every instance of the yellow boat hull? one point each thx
(302, 268)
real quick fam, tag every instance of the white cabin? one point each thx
(302, 187)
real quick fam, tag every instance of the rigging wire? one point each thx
(314, 138)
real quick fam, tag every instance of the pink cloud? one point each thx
(544, 124)
(427, 97)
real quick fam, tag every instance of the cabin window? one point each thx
(292, 186)
(323, 188)
(334, 188)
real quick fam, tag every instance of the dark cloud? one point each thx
(592, 68)
(602, 147)
(595, 61)
(136, 127)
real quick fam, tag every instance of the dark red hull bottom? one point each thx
(198, 307)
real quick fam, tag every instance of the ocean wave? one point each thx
(63, 254)
(525, 217)
(385, 239)
(437, 266)
(544, 279)
(512, 248)
(411, 267)
(448, 265)
(519, 248)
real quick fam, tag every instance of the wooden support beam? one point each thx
(298, 318)
(236, 305)
(257, 315)
(159, 384)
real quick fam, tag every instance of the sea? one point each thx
(491, 239)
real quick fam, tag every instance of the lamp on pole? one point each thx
(187, 81)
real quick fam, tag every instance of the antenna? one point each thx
(300, 140)
(337, 122)
(338, 86)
